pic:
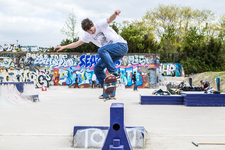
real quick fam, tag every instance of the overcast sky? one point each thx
(38, 22)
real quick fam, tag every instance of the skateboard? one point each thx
(109, 88)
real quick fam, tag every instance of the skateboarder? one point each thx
(112, 46)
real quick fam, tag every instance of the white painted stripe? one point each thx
(33, 134)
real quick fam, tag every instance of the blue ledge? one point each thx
(161, 100)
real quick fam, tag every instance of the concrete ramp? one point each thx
(14, 94)
(30, 92)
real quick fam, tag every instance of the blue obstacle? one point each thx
(186, 99)
(117, 129)
(161, 100)
(94, 136)
(116, 145)
(213, 100)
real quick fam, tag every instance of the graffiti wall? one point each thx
(18, 48)
(62, 69)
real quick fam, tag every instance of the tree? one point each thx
(221, 29)
(169, 41)
(133, 33)
(69, 26)
(150, 44)
(200, 54)
(180, 18)
(115, 26)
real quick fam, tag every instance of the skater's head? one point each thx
(202, 82)
(88, 26)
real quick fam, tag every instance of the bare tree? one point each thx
(69, 26)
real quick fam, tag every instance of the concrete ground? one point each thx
(48, 124)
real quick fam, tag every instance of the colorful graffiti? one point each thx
(63, 69)
(171, 69)
(17, 48)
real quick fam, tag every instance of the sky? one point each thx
(38, 22)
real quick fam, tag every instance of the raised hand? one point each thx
(59, 48)
(117, 12)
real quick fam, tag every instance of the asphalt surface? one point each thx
(48, 124)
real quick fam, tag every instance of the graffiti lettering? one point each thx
(94, 137)
(170, 69)
(88, 61)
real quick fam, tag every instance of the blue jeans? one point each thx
(135, 85)
(109, 54)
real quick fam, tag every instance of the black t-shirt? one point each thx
(134, 77)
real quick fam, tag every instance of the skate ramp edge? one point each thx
(14, 94)
(94, 136)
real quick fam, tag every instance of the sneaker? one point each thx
(116, 75)
(101, 96)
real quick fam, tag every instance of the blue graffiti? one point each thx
(170, 69)
(88, 60)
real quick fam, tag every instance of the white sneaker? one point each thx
(101, 96)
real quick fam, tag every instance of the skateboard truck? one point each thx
(109, 97)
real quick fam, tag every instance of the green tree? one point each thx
(169, 41)
(133, 33)
(180, 18)
(199, 54)
(115, 26)
(151, 45)
(221, 30)
(84, 48)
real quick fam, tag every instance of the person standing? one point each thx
(93, 78)
(134, 80)
(112, 47)
(76, 82)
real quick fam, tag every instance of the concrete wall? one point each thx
(61, 69)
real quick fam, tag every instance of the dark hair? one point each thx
(86, 24)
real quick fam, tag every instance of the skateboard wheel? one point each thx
(115, 98)
(104, 100)
(105, 87)
(116, 85)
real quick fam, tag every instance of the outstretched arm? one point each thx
(69, 46)
(113, 17)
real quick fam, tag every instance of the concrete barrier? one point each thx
(94, 136)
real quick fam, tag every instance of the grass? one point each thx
(209, 76)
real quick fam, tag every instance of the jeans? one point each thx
(93, 84)
(109, 54)
(135, 85)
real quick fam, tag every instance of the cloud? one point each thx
(38, 22)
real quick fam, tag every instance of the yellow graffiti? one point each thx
(83, 77)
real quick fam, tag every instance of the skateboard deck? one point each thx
(109, 88)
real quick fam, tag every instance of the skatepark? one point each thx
(49, 123)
